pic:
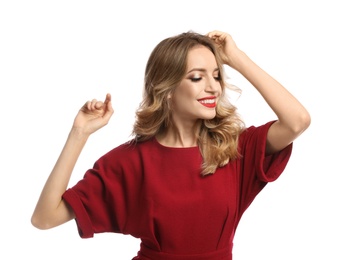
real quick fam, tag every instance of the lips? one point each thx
(209, 102)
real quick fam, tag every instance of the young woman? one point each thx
(183, 182)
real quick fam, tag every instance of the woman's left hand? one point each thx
(226, 47)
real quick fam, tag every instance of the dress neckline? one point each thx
(154, 139)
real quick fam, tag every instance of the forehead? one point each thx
(201, 57)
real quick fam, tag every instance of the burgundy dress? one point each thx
(157, 194)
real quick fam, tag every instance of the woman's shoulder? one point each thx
(130, 147)
(252, 129)
(125, 157)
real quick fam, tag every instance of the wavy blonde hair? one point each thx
(166, 67)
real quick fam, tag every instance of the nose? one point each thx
(212, 86)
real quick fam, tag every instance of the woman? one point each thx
(193, 168)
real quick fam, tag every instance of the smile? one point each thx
(208, 102)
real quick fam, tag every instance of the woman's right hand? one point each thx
(51, 210)
(93, 115)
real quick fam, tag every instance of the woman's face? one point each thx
(197, 94)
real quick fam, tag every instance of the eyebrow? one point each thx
(201, 70)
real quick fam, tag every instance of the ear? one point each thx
(169, 100)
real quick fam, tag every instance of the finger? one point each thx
(107, 98)
(100, 104)
(109, 111)
(214, 34)
(218, 37)
(88, 105)
(93, 104)
(108, 103)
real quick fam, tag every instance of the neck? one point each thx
(180, 135)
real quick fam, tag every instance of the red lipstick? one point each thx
(209, 102)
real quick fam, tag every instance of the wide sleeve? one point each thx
(100, 199)
(257, 168)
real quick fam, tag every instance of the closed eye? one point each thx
(195, 79)
(218, 76)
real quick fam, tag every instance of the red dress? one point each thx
(157, 194)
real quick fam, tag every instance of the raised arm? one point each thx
(51, 210)
(293, 118)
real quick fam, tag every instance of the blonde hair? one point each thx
(166, 67)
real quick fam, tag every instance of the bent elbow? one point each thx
(302, 123)
(305, 120)
(36, 223)
(39, 222)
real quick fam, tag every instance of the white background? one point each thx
(55, 55)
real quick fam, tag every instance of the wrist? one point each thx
(78, 134)
(238, 60)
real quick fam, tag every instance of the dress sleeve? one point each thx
(99, 199)
(257, 169)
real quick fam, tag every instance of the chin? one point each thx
(208, 117)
